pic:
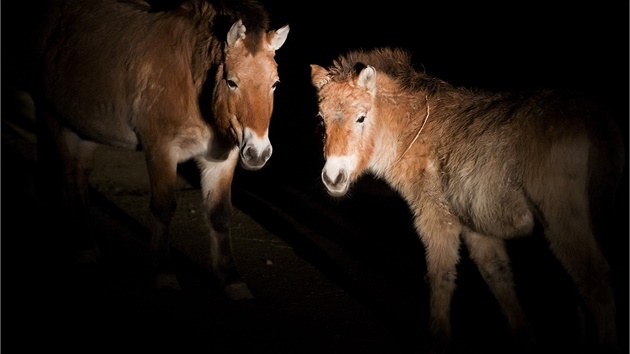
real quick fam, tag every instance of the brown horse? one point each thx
(191, 80)
(475, 166)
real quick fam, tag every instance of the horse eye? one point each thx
(231, 84)
(275, 84)
(361, 119)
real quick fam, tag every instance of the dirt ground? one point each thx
(114, 307)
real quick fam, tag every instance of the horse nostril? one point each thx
(266, 154)
(248, 154)
(252, 154)
(326, 179)
(340, 178)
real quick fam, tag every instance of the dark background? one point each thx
(509, 46)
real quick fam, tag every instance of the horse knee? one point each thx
(219, 216)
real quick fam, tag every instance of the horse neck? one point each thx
(400, 116)
(206, 55)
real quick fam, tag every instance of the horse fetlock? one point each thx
(523, 341)
(440, 341)
(88, 257)
(166, 280)
(237, 290)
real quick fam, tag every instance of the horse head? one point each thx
(345, 108)
(244, 91)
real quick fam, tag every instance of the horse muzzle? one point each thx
(336, 183)
(254, 151)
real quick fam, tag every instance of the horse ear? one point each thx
(276, 38)
(319, 76)
(236, 31)
(367, 78)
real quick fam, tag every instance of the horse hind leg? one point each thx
(571, 239)
(492, 260)
(77, 174)
(216, 181)
(65, 162)
(162, 170)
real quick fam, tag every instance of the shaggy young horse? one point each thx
(475, 166)
(193, 80)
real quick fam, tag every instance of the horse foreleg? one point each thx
(162, 169)
(439, 232)
(573, 243)
(491, 257)
(216, 184)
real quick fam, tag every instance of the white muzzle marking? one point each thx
(254, 150)
(336, 174)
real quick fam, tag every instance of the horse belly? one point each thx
(493, 207)
(100, 121)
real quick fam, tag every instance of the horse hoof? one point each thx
(166, 280)
(237, 291)
(87, 257)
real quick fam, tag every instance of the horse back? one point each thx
(576, 137)
(506, 158)
(114, 70)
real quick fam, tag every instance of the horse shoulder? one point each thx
(418, 178)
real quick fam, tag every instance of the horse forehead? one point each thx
(339, 99)
(255, 65)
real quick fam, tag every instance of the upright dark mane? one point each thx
(207, 20)
(223, 13)
(254, 16)
(394, 62)
(252, 13)
(219, 14)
